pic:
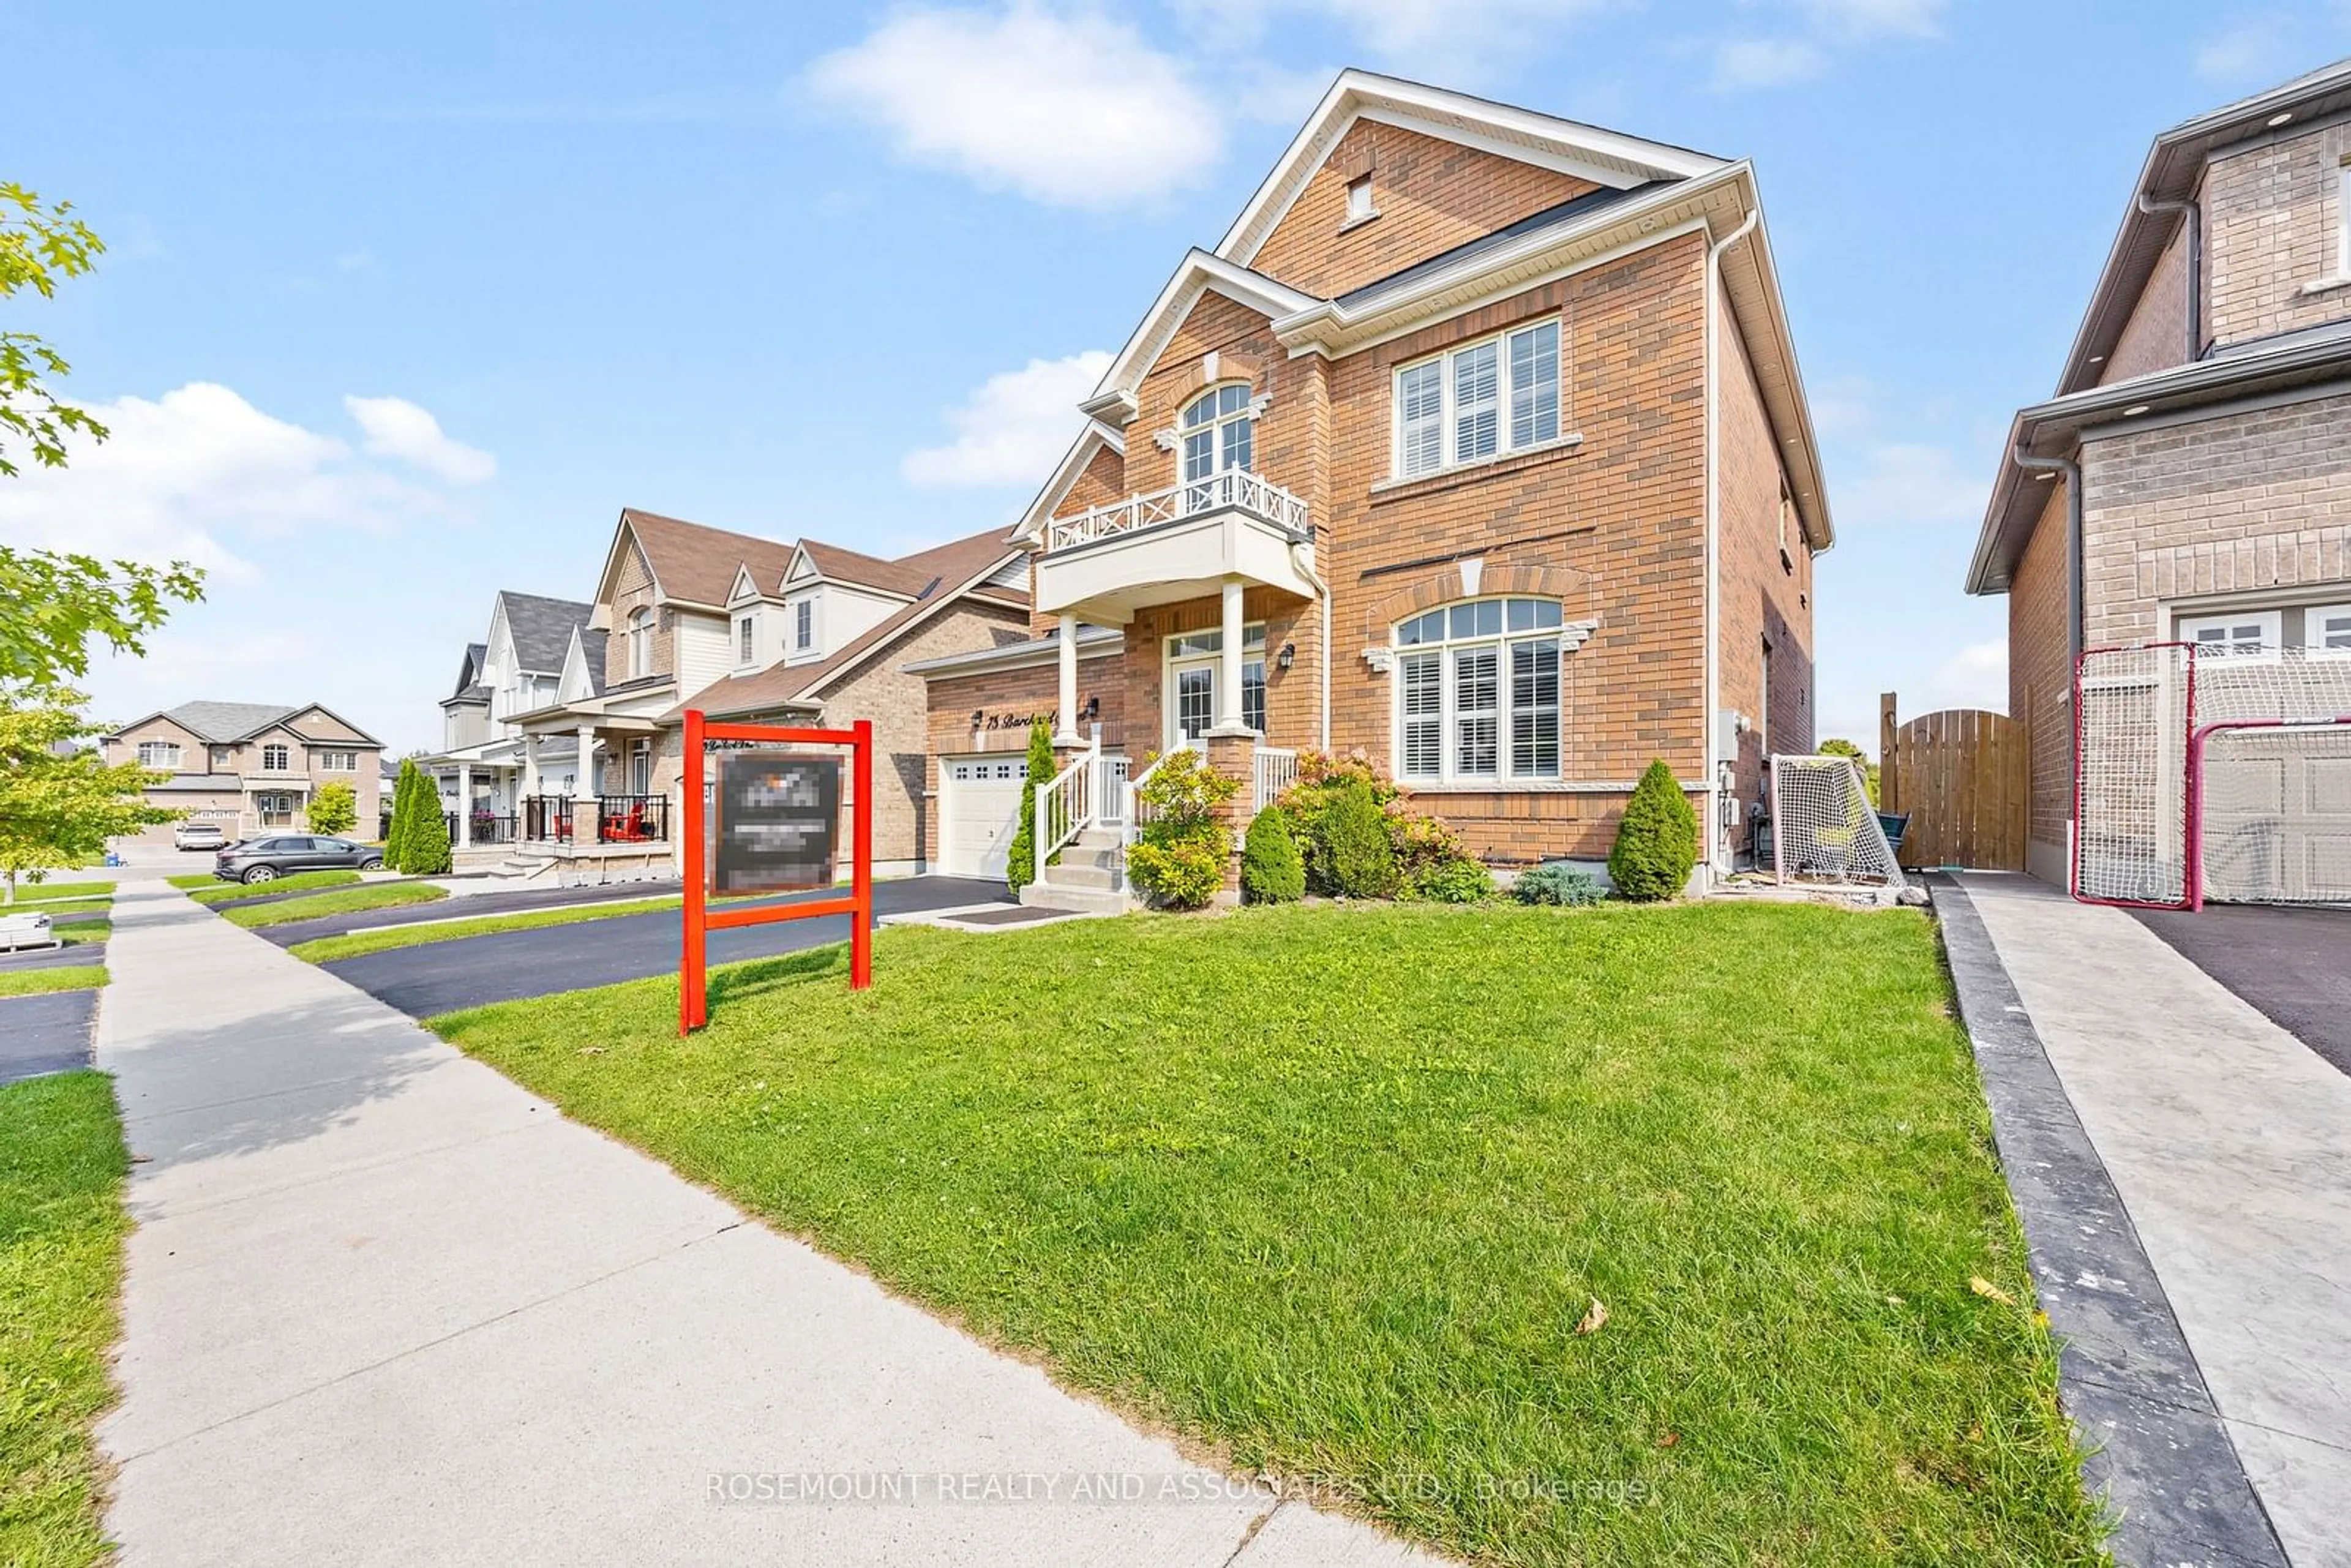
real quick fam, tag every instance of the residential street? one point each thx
(440, 977)
(2223, 1136)
(383, 1306)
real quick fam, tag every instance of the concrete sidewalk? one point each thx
(2230, 1144)
(383, 1306)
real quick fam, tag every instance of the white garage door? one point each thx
(979, 809)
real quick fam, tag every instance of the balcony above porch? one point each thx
(1179, 543)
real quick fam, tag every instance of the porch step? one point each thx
(527, 865)
(1076, 900)
(1094, 839)
(1101, 877)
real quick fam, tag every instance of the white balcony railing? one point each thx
(1273, 772)
(1235, 488)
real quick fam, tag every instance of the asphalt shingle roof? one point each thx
(697, 564)
(227, 721)
(541, 628)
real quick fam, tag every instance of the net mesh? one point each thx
(1823, 827)
(2274, 802)
(2131, 774)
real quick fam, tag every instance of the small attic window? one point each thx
(1359, 200)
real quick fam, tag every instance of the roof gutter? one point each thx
(2071, 476)
(2193, 216)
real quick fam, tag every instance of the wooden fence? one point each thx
(1964, 776)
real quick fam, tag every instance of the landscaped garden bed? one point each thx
(1332, 1192)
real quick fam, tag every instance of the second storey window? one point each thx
(159, 754)
(743, 640)
(339, 761)
(1479, 401)
(1478, 693)
(275, 758)
(641, 642)
(1218, 435)
(804, 625)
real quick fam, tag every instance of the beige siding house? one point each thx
(249, 766)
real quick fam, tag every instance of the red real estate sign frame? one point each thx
(694, 963)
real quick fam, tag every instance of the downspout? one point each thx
(2193, 217)
(1718, 842)
(1301, 557)
(2071, 473)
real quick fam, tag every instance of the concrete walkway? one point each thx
(383, 1306)
(2230, 1143)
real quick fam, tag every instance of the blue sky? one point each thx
(403, 305)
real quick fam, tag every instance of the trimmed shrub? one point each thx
(1179, 857)
(1353, 855)
(334, 808)
(1558, 885)
(1020, 859)
(403, 816)
(1273, 870)
(428, 842)
(1656, 844)
(1462, 881)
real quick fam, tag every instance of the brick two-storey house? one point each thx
(249, 766)
(2191, 479)
(1477, 444)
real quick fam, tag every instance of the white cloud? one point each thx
(1877, 18)
(396, 428)
(2248, 48)
(1442, 39)
(1975, 676)
(1820, 32)
(1909, 483)
(1073, 109)
(198, 473)
(1013, 427)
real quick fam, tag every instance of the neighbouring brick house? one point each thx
(750, 629)
(1477, 444)
(249, 766)
(2191, 479)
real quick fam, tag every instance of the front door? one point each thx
(1194, 664)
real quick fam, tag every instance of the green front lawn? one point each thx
(88, 929)
(1328, 1191)
(56, 977)
(326, 949)
(211, 890)
(61, 1228)
(45, 893)
(339, 901)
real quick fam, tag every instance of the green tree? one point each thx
(419, 843)
(334, 808)
(59, 801)
(1354, 852)
(1273, 870)
(1020, 859)
(1656, 843)
(1836, 748)
(51, 605)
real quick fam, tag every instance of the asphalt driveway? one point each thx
(442, 977)
(457, 906)
(2292, 964)
(45, 1033)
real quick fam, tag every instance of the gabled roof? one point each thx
(1607, 158)
(1094, 438)
(469, 687)
(954, 571)
(833, 564)
(540, 627)
(1199, 273)
(692, 564)
(227, 723)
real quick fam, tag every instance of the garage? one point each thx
(979, 809)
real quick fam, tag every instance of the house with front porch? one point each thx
(538, 650)
(247, 767)
(1476, 446)
(745, 628)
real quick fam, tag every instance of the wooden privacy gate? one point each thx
(1964, 777)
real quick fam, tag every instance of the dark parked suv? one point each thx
(274, 855)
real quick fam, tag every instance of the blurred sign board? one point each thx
(777, 822)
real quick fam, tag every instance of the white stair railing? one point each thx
(1272, 771)
(1065, 806)
(1134, 813)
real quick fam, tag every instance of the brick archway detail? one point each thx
(1573, 589)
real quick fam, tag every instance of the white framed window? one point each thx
(804, 625)
(2245, 634)
(1194, 665)
(2343, 219)
(339, 761)
(1479, 401)
(1219, 437)
(1359, 200)
(275, 758)
(2326, 629)
(163, 755)
(743, 638)
(1478, 691)
(641, 642)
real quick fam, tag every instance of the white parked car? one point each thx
(25, 931)
(199, 836)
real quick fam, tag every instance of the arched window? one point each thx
(1478, 691)
(641, 642)
(1218, 426)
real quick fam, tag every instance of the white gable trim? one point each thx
(1200, 274)
(802, 570)
(600, 616)
(1605, 157)
(1094, 438)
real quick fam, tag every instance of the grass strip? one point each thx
(338, 900)
(61, 1228)
(1330, 1191)
(51, 977)
(215, 890)
(355, 944)
(56, 892)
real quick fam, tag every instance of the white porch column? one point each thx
(464, 805)
(584, 777)
(1065, 721)
(529, 765)
(1228, 666)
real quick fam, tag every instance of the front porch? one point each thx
(608, 820)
